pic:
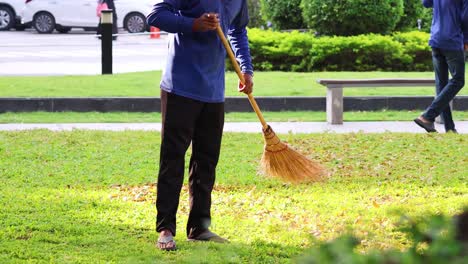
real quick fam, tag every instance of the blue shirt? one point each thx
(449, 28)
(196, 60)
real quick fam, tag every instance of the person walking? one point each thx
(449, 41)
(192, 106)
(110, 5)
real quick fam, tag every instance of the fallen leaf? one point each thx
(358, 219)
(375, 204)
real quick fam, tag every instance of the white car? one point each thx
(9, 13)
(63, 15)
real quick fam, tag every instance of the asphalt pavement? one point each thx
(28, 53)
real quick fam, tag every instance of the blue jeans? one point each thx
(446, 61)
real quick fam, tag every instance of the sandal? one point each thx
(164, 240)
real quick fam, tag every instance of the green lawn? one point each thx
(88, 197)
(145, 84)
(126, 117)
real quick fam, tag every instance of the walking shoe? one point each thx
(428, 126)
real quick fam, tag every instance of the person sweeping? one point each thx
(192, 106)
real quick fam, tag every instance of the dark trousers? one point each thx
(446, 61)
(186, 121)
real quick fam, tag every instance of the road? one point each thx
(76, 53)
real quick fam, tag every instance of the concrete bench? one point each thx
(334, 101)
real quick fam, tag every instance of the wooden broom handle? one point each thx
(239, 74)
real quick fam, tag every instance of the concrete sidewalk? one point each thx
(251, 127)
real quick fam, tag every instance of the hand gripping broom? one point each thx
(278, 159)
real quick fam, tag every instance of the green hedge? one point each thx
(415, 45)
(279, 51)
(294, 51)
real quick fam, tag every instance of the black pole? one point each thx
(106, 41)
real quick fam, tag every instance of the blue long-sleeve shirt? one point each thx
(196, 60)
(449, 28)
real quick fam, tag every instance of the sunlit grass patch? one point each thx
(88, 196)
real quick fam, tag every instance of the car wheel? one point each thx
(63, 30)
(7, 18)
(44, 23)
(135, 23)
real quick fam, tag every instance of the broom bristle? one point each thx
(282, 162)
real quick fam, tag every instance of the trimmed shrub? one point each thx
(352, 17)
(412, 11)
(284, 14)
(281, 51)
(427, 19)
(255, 15)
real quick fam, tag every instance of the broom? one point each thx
(278, 160)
